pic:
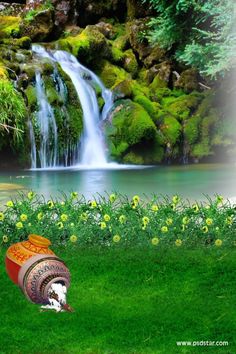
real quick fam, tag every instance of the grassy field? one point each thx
(133, 300)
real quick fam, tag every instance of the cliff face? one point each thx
(163, 111)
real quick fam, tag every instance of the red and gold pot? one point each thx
(34, 267)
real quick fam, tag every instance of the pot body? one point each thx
(18, 253)
(34, 267)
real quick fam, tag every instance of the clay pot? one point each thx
(34, 267)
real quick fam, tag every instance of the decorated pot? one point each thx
(34, 267)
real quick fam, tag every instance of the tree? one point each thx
(201, 33)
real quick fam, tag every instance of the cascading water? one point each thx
(92, 145)
(48, 129)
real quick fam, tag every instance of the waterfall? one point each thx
(47, 126)
(92, 145)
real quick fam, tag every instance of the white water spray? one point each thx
(92, 144)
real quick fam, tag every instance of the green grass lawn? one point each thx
(134, 300)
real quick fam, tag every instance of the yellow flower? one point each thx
(60, 225)
(74, 195)
(136, 199)
(116, 238)
(209, 221)
(73, 238)
(102, 225)
(164, 229)
(169, 221)
(218, 242)
(178, 242)
(229, 220)
(175, 199)
(112, 198)
(185, 220)
(106, 217)
(23, 217)
(10, 204)
(134, 205)
(31, 195)
(122, 219)
(144, 227)
(155, 241)
(40, 216)
(195, 208)
(205, 229)
(155, 207)
(145, 220)
(19, 225)
(2, 216)
(5, 239)
(50, 204)
(64, 217)
(93, 204)
(173, 206)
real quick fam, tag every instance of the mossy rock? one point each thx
(110, 74)
(87, 45)
(183, 106)
(130, 63)
(30, 93)
(122, 90)
(121, 42)
(40, 27)
(133, 159)
(117, 56)
(24, 42)
(131, 125)
(9, 26)
(171, 129)
(149, 106)
(3, 72)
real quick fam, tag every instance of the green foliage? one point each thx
(202, 31)
(136, 221)
(12, 111)
(171, 129)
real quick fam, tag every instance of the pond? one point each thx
(189, 181)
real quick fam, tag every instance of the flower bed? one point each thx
(117, 220)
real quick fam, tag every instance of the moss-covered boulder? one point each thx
(184, 106)
(110, 74)
(87, 45)
(130, 124)
(39, 27)
(122, 89)
(9, 26)
(130, 63)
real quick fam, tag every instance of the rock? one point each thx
(157, 55)
(160, 73)
(122, 90)
(130, 63)
(136, 9)
(106, 29)
(91, 11)
(87, 45)
(110, 74)
(15, 9)
(188, 81)
(141, 47)
(40, 27)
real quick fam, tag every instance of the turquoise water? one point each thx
(190, 181)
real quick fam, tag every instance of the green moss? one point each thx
(86, 45)
(130, 63)
(121, 42)
(157, 84)
(123, 89)
(24, 42)
(31, 97)
(100, 103)
(133, 158)
(110, 74)
(149, 106)
(117, 55)
(183, 106)
(191, 129)
(9, 26)
(171, 129)
(76, 122)
(131, 125)
(52, 95)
